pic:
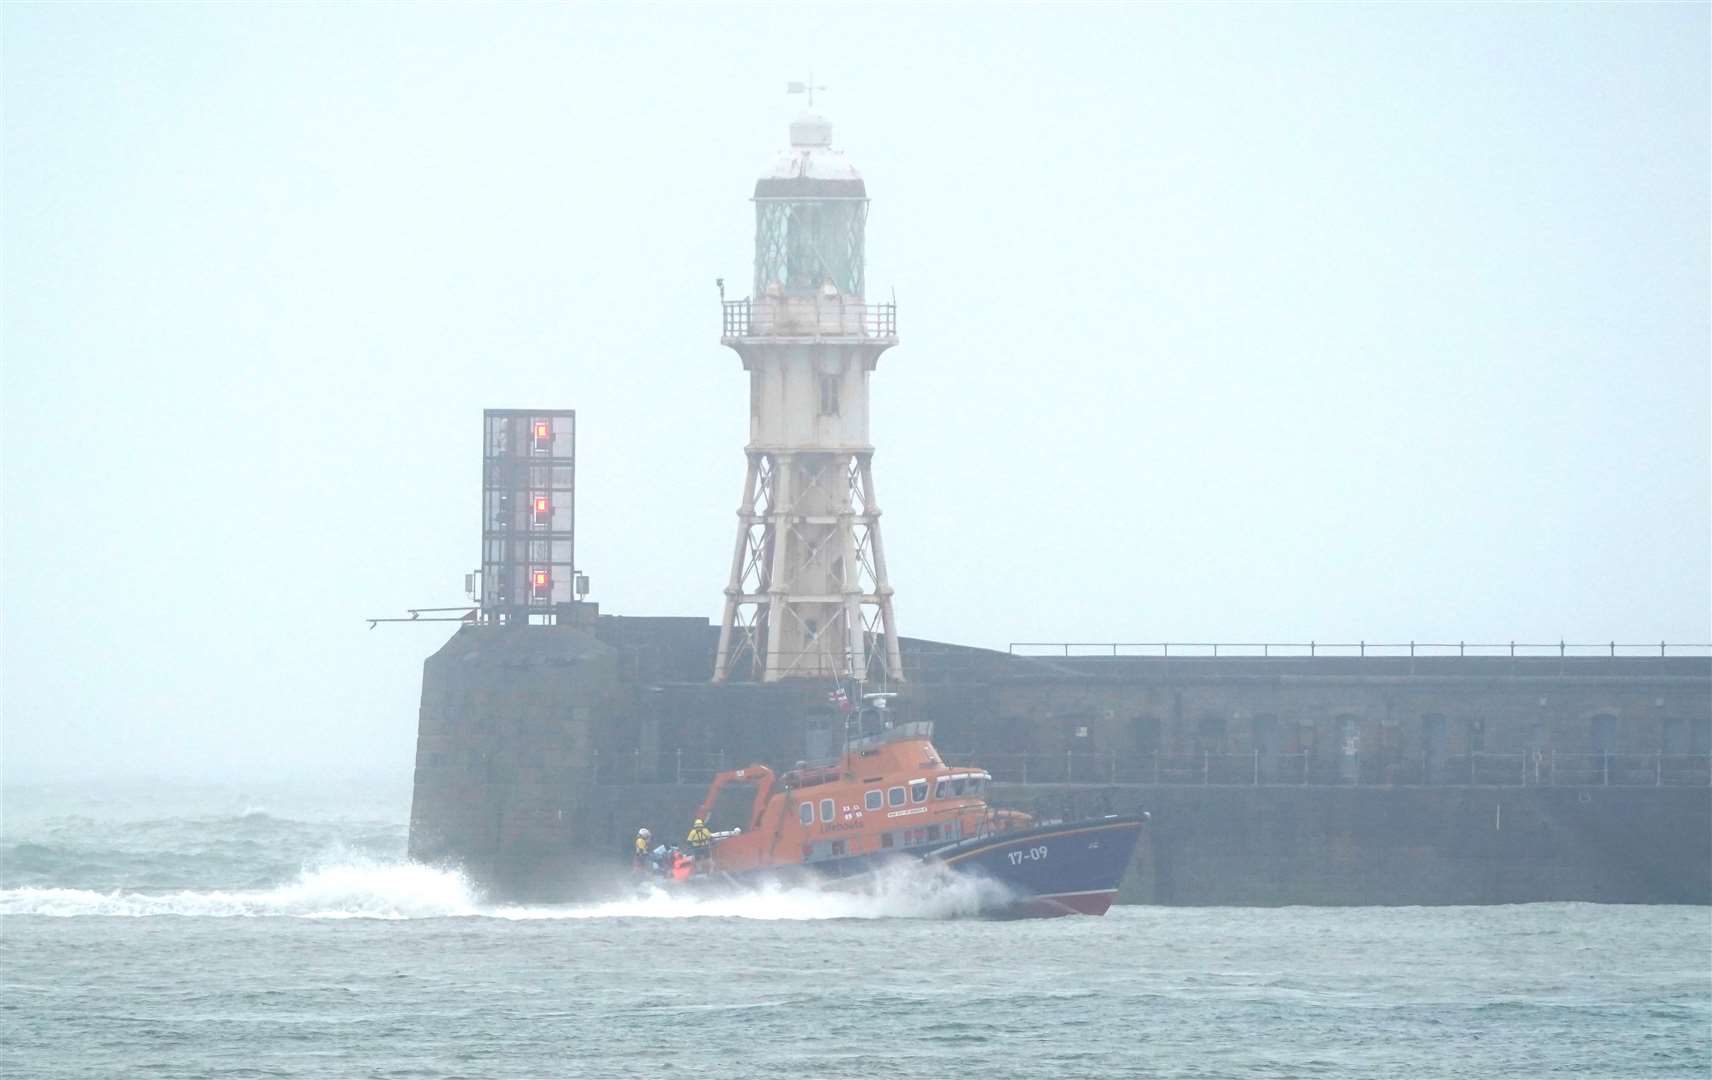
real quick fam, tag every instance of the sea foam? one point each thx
(406, 890)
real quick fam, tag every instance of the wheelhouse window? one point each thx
(826, 808)
(895, 796)
(941, 789)
(872, 800)
(806, 813)
(918, 791)
(958, 786)
(975, 785)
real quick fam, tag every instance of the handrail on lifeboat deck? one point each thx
(807, 776)
(894, 732)
(990, 822)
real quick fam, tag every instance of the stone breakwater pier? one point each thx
(1342, 774)
(1275, 774)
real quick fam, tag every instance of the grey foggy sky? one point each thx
(1219, 323)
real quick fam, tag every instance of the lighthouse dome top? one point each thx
(810, 168)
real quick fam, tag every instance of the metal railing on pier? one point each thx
(1379, 657)
(1526, 768)
(1282, 650)
(671, 767)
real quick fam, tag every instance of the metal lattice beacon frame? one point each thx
(808, 594)
(529, 469)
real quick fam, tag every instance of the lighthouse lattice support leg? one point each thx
(882, 582)
(781, 545)
(741, 629)
(734, 585)
(855, 639)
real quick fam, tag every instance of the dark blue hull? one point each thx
(1072, 868)
(1069, 868)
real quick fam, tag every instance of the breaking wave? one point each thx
(405, 890)
(349, 890)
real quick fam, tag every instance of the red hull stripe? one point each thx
(1092, 902)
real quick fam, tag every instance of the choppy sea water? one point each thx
(218, 933)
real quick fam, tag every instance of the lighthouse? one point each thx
(808, 595)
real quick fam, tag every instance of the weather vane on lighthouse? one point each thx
(804, 88)
(808, 594)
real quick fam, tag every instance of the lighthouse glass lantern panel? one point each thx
(804, 244)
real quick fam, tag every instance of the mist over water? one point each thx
(164, 835)
(1386, 325)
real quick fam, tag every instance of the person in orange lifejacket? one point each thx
(682, 865)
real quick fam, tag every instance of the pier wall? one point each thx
(1291, 780)
(1422, 845)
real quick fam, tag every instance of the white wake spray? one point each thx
(899, 891)
(405, 890)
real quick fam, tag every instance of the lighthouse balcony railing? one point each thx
(813, 315)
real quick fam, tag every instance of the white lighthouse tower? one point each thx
(808, 594)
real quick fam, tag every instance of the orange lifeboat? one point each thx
(891, 797)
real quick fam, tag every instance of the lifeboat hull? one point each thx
(1067, 868)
